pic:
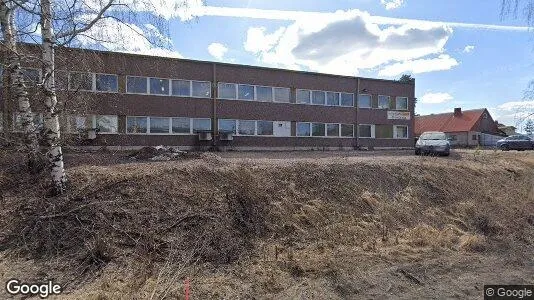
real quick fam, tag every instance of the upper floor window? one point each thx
(332, 98)
(201, 89)
(347, 99)
(264, 93)
(79, 81)
(159, 86)
(106, 83)
(245, 92)
(402, 103)
(282, 94)
(181, 88)
(136, 85)
(364, 101)
(383, 102)
(303, 96)
(227, 90)
(318, 97)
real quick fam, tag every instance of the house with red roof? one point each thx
(464, 128)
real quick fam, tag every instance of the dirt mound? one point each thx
(243, 230)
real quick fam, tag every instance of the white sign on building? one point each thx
(398, 115)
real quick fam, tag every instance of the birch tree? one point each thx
(17, 87)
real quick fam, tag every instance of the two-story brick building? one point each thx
(136, 100)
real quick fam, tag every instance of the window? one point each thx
(159, 125)
(78, 123)
(282, 94)
(332, 98)
(247, 127)
(136, 124)
(347, 130)
(136, 85)
(264, 93)
(401, 132)
(227, 90)
(159, 86)
(364, 101)
(474, 137)
(303, 129)
(332, 129)
(201, 89)
(181, 88)
(318, 129)
(81, 81)
(17, 121)
(201, 125)
(181, 125)
(303, 96)
(227, 126)
(245, 92)
(383, 102)
(347, 99)
(384, 131)
(106, 83)
(318, 97)
(402, 103)
(106, 124)
(365, 131)
(265, 128)
(31, 75)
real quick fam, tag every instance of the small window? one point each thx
(332, 98)
(347, 130)
(247, 127)
(364, 101)
(201, 89)
(303, 129)
(31, 75)
(318, 129)
(181, 125)
(365, 131)
(265, 128)
(401, 132)
(282, 94)
(303, 96)
(245, 92)
(159, 86)
(78, 123)
(136, 125)
(106, 124)
(159, 125)
(106, 83)
(264, 93)
(136, 85)
(383, 102)
(201, 125)
(318, 97)
(332, 129)
(80, 81)
(227, 91)
(383, 131)
(227, 126)
(474, 137)
(181, 88)
(402, 103)
(347, 99)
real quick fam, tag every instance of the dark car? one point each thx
(516, 142)
(433, 142)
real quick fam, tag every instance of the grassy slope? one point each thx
(339, 230)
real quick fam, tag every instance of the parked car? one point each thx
(433, 142)
(516, 142)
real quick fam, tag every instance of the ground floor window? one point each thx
(366, 131)
(106, 123)
(201, 125)
(401, 132)
(347, 130)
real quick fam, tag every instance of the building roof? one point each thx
(449, 122)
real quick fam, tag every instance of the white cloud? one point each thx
(440, 63)
(391, 4)
(469, 48)
(517, 105)
(435, 98)
(348, 42)
(199, 11)
(217, 50)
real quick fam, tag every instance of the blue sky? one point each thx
(455, 65)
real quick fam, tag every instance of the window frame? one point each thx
(93, 82)
(265, 86)
(389, 102)
(338, 130)
(116, 124)
(397, 103)
(395, 132)
(352, 94)
(146, 83)
(169, 91)
(370, 102)
(235, 90)
(373, 135)
(201, 81)
(341, 131)
(284, 88)
(297, 129)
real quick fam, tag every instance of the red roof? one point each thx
(448, 122)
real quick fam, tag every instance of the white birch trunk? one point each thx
(16, 84)
(51, 120)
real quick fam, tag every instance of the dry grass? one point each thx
(242, 229)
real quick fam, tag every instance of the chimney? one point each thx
(457, 111)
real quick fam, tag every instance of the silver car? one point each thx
(433, 142)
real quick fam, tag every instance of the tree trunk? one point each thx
(51, 120)
(18, 90)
